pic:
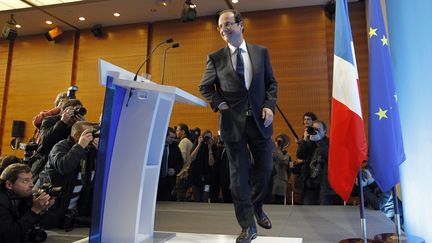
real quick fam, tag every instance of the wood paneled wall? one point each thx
(300, 41)
(124, 46)
(39, 71)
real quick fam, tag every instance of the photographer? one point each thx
(19, 210)
(58, 103)
(71, 166)
(313, 167)
(281, 161)
(54, 129)
(202, 161)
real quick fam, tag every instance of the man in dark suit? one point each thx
(239, 83)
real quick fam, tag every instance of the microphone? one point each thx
(169, 40)
(175, 45)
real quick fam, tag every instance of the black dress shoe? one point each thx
(247, 234)
(263, 220)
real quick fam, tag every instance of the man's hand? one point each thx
(68, 115)
(223, 106)
(267, 116)
(43, 201)
(315, 137)
(171, 171)
(85, 138)
(95, 143)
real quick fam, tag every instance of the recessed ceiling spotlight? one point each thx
(18, 26)
(163, 3)
(234, 1)
(48, 22)
(116, 14)
(81, 18)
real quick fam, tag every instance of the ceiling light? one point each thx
(9, 30)
(17, 4)
(48, 22)
(81, 18)
(53, 34)
(18, 26)
(163, 3)
(189, 12)
(234, 1)
(116, 14)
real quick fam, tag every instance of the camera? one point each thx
(95, 133)
(194, 133)
(71, 92)
(279, 142)
(207, 138)
(37, 234)
(311, 131)
(49, 189)
(29, 150)
(80, 111)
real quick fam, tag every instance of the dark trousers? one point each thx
(249, 182)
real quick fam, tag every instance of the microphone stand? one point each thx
(175, 45)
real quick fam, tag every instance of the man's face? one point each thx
(179, 132)
(170, 138)
(307, 121)
(320, 129)
(23, 186)
(229, 30)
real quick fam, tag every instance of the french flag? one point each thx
(348, 146)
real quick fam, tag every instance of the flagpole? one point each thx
(396, 213)
(362, 214)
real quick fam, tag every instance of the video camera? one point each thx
(49, 189)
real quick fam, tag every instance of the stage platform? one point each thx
(204, 222)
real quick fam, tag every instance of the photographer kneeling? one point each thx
(71, 165)
(19, 210)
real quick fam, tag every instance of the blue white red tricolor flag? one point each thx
(386, 149)
(348, 146)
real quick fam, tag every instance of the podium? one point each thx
(134, 125)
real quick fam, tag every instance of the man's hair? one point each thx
(59, 97)
(184, 128)
(71, 102)
(12, 171)
(311, 115)
(237, 15)
(170, 130)
(8, 160)
(80, 126)
(322, 123)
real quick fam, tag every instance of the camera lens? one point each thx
(311, 131)
(80, 111)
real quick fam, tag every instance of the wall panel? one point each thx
(124, 46)
(40, 69)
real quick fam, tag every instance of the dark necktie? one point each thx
(164, 164)
(240, 64)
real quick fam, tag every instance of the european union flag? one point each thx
(386, 150)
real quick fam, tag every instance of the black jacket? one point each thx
(16, 217)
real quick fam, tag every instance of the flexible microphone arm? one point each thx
(151, 53)
(175, 45)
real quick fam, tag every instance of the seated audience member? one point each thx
(172, 162)
(71, 166)
(200, 169)
(8, 160)
(53, 130)
(20, 211)
(281, 161)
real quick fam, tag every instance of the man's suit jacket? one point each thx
(220, 83)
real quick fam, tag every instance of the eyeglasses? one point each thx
(226, 25)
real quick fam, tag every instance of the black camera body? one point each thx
(311, 131)
(279, 142)
(29, 150)
(80, 111)
(37, 234)
(49, 189)
(95, 133)
(207, 138)
(194, 133)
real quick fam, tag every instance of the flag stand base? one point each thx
(359, 240)
(393, 238)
